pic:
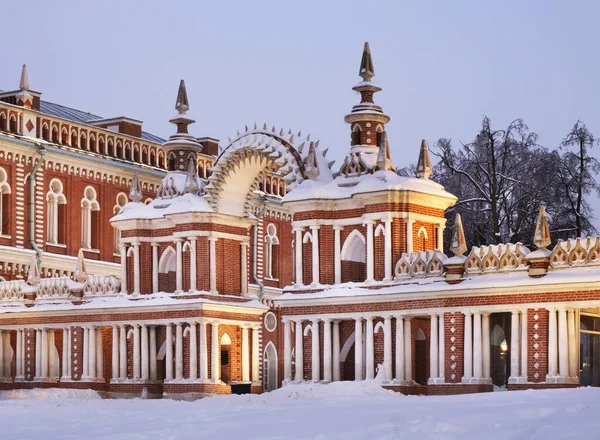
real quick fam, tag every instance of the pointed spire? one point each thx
(541, 238)
(24, 83)
(458, 244)
(80, 270)
(311, 165)
(191, 179)
(384, 158)
(182, 104)
(33, 274)
(135, 192)
(367, 71)
(424, 164)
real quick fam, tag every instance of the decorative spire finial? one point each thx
(33, 273)
(384, 158)
(182, 104)
(458, 244)
(80, 270)
(24, 83)
(311, 165)
(135, 192)
(191, 179)
(541, 238)
(424, 164)
(367, 71)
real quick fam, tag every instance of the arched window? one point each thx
(127, 151)
(3, 122)
(152, 158)
(423, 236)
(172, 161)
(45, 132)
(90, 210)
(144, 156)
(64, 136)
(74, 139)
(56, 212)
(379, 134)
(136, 153)
(93, 144)
(110, 147)
(121, 201)
(4, 203)
(161, 160)
(353, 258)
(119, 150)
(55, 137)
(271, 252)
(270, 367)
(356, 134)
(13, 124)
(83, 141)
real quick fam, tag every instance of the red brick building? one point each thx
(258, 264)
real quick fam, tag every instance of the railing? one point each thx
(101, 286)
(13, 291)
(57, 287)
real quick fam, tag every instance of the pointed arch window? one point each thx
(356, 134)
(121, 201)
(56, 202)
(90, 222)
(379, 135)
(271, 252)
(4, 203)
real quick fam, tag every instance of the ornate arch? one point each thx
(167, 260)
(354, 247)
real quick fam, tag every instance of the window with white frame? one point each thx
(271, 252)
(56, 201)
(121, 201)
(90, 209)
(4, 203)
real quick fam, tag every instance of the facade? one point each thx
(258, 264)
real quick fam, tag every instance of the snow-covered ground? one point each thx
(335, 411)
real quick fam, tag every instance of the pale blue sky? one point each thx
(442, 65)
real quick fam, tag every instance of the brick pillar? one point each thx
(537, 345)
(326, 263)
(453, 349)
(379, 254)
(202, 264)
(29, 364)
(76, 352)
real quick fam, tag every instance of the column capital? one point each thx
(122, 325)
(326, 320)
(179, 324)
(369, 318)
(215, 322)
(515, 312)
(143, 325)
(212, 238)
(192, 238)
(434, 314)
(255, 327)
(338, 227)
(467, 313)
(154, 244)
(551, 308)
(485, 314)
(314, 227)
(388, 317)
(297, 229)
(368, 221)
(122, 247)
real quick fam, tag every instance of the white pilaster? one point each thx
(409, 235)
(155, 267)
(433, 349)
(65, 354)
(245, 355)
(408, 351)
(299, 352)
(123, 250)
(99, 354)
(298, 249)
(19, 355)
(145, 350)
(136, 352)
(215, 351)
(316, 367)
(203, 352)
(337, 255)
(122, 352)
(179, 267)
(136, 268)
(387, 348)
(52, 358)
(44, 371)
(212, 247)
(255, 356)
(327, 350)
(477, 347)
(169, 352)
(38, 353)
(115, 352)
(552, 344)
(370, 347)
(573, 360)
(92, 352)
(515, 350)
(399, 349)
(287, 351)
(315, 254)
(563, 345)
(442, 349)
(370, 256)
(153, 365)
(336, 351)
(523, 371)
(193, 351)
(179, 351)
(358, 349)
(485, 341)
(193, 259)
(388, 250)
(468, 348)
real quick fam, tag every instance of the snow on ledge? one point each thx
(49, 393)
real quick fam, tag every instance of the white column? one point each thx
(523, 372)
(255, 356)
(327, 350)
(298, 249)
(370, 348)
(409, 236)
(370, 256)
(477, 349)
(179, 351)
(399, 349)
(52, 360)
(440, 237)
(203, 352)
(468, 348)
(69, 352)
(245, 355)
(122, 352)
(408, 351)
(123, 250)
(145, 363)
(387, 348)
(337, 255)
(315, 254)
(299, 352)
(44, 370)
(115, 352)
(212, 247)
(193, 351)
(573, 364)
(19, 354)
(153, 366)
(136, 268)
(563, 344)
(2, 375)
(336, 351)
(136, 352)
(442, 349)
(244, 268)
(155, 267)
(552, 343)
(515, 350)
(193, 258)
(316, 366)
(169, 353)
(38, 353)
(92, 352)
(65, 354)
(99, 355)
(358, 349)
(215, 366)
(287, 351)
(388, 249)
(485, 341)
(179, 267)
(433, 349)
